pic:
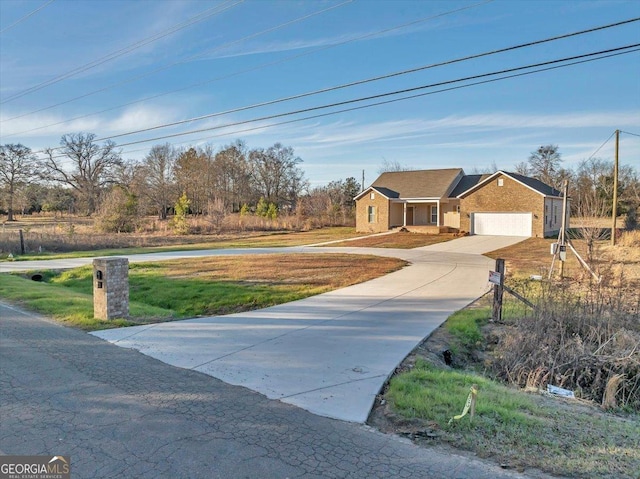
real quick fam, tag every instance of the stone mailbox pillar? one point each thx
(111, 288)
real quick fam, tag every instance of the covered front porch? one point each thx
(432, 216)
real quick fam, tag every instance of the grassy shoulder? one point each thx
(518, 428)
(188, 288)
(515, 428)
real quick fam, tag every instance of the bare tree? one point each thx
(192, 173)
(17, 167)
(332, 204)
(544, 164)
(485, 170)
(276, 176)
(93, 166)
(388, 166)
(156, 182)
(590, 200)
(522, 168)
(232, 177)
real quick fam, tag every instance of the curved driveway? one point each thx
(329, 354)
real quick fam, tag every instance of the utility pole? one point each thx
(563, 228)
(615, 191)
(362, 181)
(560, 248)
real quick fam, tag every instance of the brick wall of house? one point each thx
(512, 197)
(382, 213)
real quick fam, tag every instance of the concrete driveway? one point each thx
(329, 354)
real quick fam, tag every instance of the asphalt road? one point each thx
(121, 414)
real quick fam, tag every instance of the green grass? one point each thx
(464, 326)
(153, 294)
(518, 428)
(71, 307)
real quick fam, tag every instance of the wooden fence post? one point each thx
(21, 242)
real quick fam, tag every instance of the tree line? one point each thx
(85, 177)
(591, 183)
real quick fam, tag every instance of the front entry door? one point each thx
(409, 215)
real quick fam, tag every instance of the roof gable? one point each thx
(467, 182)
(537, 185)
(419, 183)
(531, 183)
(386, 192)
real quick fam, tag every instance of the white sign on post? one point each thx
(494, 277)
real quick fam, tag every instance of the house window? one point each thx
(434, 214)
(372, 196)
(500, 181)
(372, 214)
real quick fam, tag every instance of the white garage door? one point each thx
(502, 224)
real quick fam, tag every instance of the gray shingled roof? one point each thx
(537, 185)
(467, 181)
(417, 184)
(470, 181)
(387, 192)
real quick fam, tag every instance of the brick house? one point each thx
(447, 200)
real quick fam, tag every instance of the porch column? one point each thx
(404, 214)
(438, 215)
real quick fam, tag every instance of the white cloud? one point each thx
(138, 118)
(566, 120)
(31, 126)
(470, 126)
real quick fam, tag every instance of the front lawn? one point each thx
(196, 287)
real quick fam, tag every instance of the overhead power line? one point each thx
(629, 133)
(601, 146)
(378, 78)
(577, 59)
(254, 68)
(28, 15)
(126, 50)
(385, 102)
(191, 58)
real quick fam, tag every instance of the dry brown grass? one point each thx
(630, 239)
(400, 239)
(611, 390)
(532, 256)
(326, 270)
(624, 257)
(583, 333)
(50, 234)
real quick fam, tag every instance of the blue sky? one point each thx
(134, 72)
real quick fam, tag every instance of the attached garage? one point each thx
(502, 224)
(508, 204)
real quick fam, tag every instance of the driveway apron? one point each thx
(329, 354)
